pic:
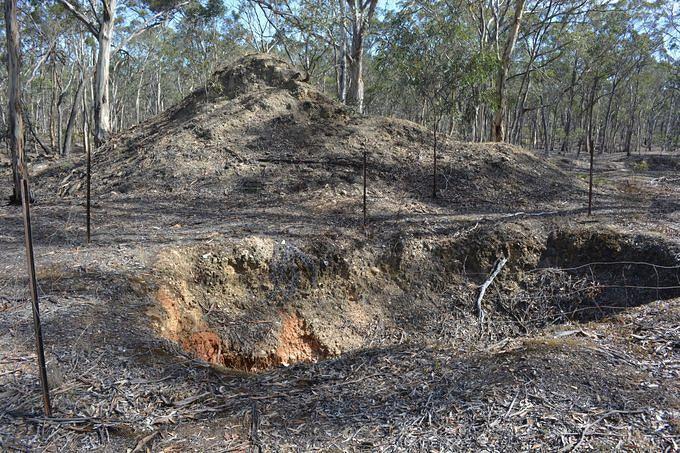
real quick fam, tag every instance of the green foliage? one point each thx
(424, 60)
(641, 166)
(428, 52)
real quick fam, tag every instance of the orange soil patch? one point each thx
(206, 345)
(184, 325)
(297, 343)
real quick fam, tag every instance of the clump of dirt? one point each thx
(521, 243)
(260, 133)
(272, 150)
(257, 303)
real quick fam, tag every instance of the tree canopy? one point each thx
(525, 72)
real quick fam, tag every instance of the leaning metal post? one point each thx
(434, 168)
(365, 189)
(88, 201)
(30, 263)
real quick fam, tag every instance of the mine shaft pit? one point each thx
(259, 303)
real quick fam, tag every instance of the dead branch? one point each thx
(496, 270)
(142, 443)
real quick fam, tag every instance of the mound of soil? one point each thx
(259, 134)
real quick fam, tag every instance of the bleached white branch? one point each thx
(496, 270)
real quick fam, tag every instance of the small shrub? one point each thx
(640, 166)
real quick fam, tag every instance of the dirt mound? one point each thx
(259, 133)
(257, 303)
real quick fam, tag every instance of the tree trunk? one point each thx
(355, 94)
(628, 146)
(70, 125)
(553, 127)
(498, 132)
(158, 90)
(15, 128)
(88, 168)
(650, 132)
(519, 121)
(138, 96)
(113, 104)
(639, 131)
(342, 55)
(590, 148)
(631, 120)
(607, 116)
(667, 129)
(614, 128)
(434, 157)
(361, 15)
(544, 124)
(53, 105)
(59, 121)
(102, 124)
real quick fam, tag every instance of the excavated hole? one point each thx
(294, 341)
(258, 303)
(232, 306)
(609, 272)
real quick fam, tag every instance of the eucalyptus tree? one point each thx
(360, 17)
(505, 49)
(312, 27)
(15, 121)
(576, 66)
(100, 22)
(426, 63)
(425, 55)
(304, 31)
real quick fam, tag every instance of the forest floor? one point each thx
(232, 302)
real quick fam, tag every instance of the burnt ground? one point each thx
(251, 308)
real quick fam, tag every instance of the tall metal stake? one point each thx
(434, 168)
(590, 177)
(16, 138)
(365, 221)
(87, 146)
(30, 263)
(88, 179)
(591, 148)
